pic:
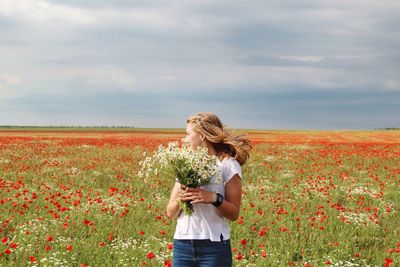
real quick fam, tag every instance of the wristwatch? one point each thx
(219, 200)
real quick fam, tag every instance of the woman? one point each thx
(202, 239)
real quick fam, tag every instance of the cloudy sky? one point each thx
(301, 64)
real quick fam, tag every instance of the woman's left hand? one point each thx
(198, 195)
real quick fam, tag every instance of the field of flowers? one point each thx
(311, 198)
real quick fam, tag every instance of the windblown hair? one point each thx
(225, 142)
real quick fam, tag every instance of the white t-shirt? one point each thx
(206, 222)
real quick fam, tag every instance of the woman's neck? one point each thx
(211, 149)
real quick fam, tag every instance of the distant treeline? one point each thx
(389, 128)
(64, 127)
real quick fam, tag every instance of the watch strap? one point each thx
(219, 200)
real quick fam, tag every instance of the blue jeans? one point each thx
(202, 253)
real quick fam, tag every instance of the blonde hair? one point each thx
(224, 141)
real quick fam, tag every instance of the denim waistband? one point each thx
(202, 241)
(198, 241)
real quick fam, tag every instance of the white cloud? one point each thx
(42, 11)
(8, 82)
(106, 77)
(392, 85)
(10, 79)
(303, 58)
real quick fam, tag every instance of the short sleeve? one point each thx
(230, 168)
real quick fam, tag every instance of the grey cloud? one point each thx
(244, 108)
(275, 63)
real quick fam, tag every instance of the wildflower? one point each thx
(388, 262)
(150, 255)
(168, 263)
(239, 257)
(110, 237)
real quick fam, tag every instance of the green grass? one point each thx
(303, 204)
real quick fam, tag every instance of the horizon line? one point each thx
(174, 128)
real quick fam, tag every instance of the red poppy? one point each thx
(168, 263)
(14, 245)
(150, 255)
(239, 257)
(112, 191)
(388, 262)
(32, 259)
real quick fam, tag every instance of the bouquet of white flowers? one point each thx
(192, 168)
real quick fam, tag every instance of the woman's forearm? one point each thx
(229, 210)
(173, 209)
(230, 207)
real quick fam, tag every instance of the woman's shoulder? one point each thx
(231, 164)
(229, 168)
(230, 161)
